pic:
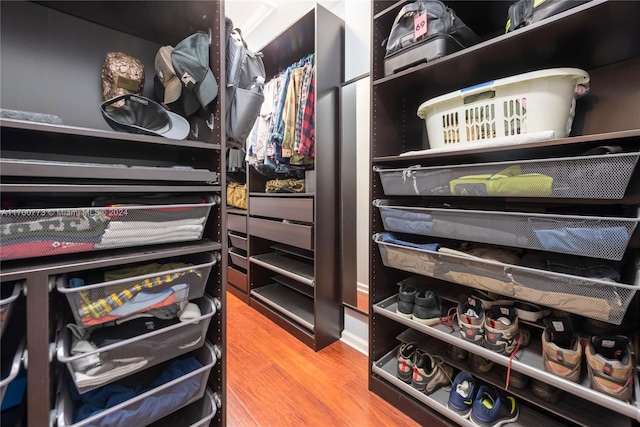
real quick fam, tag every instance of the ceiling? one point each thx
(261, 20)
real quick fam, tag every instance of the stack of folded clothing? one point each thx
(156, 222)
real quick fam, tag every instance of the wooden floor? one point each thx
(275, 380)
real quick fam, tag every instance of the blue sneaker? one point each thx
(462, 394)
(493, 408)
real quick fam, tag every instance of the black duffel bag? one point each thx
(446, 33)
(526, 12)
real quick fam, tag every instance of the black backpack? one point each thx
(245, 79)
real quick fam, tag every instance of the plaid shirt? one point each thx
(304, 95)
(308, 134)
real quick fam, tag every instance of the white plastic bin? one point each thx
(518, 105)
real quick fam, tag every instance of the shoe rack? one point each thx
(52, 56)
(608, 115)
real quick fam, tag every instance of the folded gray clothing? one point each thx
(475, 232)
(84, 332)
(168, 238)
(30, 116)
(150, 214)
(593, 268)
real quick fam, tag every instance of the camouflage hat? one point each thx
(121, 74)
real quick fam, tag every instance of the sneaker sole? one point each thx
(427, 322)
(463, 414)
(405, 378)
(407, 315)
(497, 423)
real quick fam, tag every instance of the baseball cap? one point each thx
(190, 59)
(138, 114)
(167, 75)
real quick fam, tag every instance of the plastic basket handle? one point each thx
(480, 87)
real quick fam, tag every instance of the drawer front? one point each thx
(282, 208)
(300, 236)
(237, 223)
(237, 279)
(237, 241)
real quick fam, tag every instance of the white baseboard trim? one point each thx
(362, 287)
(356, 342)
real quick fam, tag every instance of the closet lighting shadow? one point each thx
(386, 368)
(569, 406)
(286, 266)
(288, 302)
(527, 361)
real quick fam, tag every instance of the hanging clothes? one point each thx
(304, 95)
(308, 136)
(290, 112)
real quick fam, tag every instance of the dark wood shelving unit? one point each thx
(52, 57)
(608, 115)
(307, 305)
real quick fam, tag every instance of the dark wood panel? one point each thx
(237, 278)
(38, 344)
(283, 208)
(297, 235)
(290, 45)
(237, 223)
(163, 23)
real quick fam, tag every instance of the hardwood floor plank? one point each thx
(275, 380)
(237, 413)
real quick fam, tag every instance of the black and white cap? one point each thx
(141, 115)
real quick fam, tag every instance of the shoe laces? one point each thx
(450, 319)
(439, 362)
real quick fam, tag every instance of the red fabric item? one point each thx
(42, 248)
(90, 321)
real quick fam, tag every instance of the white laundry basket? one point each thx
(524, 104)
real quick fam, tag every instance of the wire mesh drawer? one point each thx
(238, 257)
(590, 297)
(148, 396)
(197, 414)
(10, 293)
(591, 236)
(27, 233)
(238, 241)
(113, 352)
(580, 177)
(11, 382)
(126, 294)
